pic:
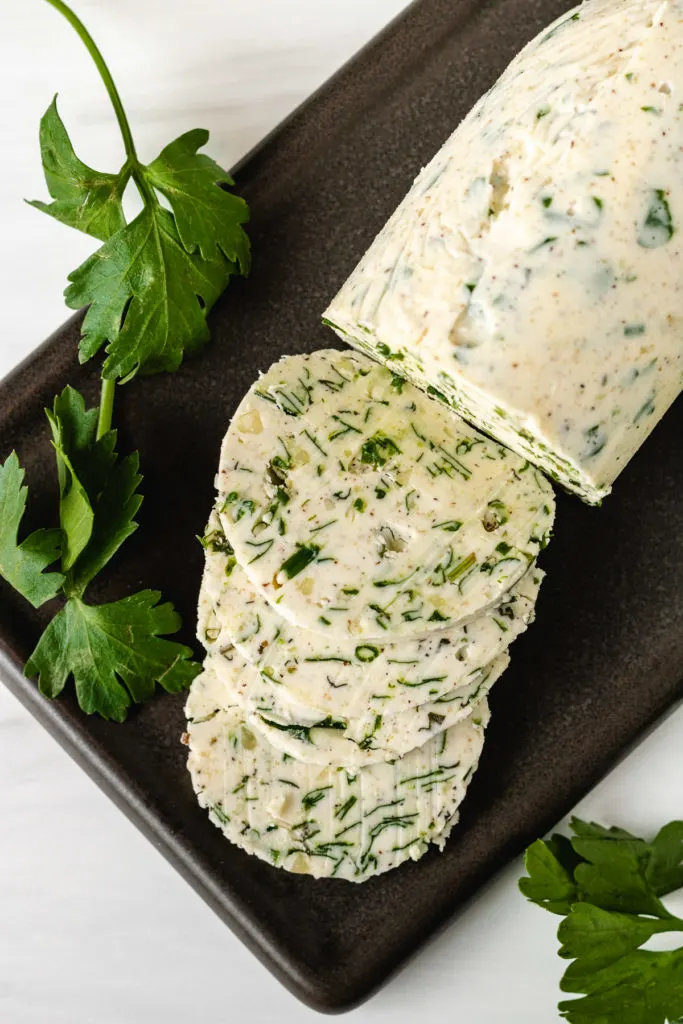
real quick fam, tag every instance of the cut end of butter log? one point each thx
(533, 276)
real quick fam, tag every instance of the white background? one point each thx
(95, 928)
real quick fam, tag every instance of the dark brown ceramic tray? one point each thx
(605, 658)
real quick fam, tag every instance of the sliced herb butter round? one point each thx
(533, 275)
(363, 508)
(325, 822)
(296, 731)
(344, 678)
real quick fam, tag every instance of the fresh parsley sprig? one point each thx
(149, 288)
(608, 885)
(151, 284)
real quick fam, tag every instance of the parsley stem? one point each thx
(144, 188)
(105, 75)
(108, 386)
(106, 407)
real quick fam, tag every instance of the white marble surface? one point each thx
(95, 928)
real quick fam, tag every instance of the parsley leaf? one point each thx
(550, 883)
(148, 297)
(83, 198)
(72, 432)
(209, 218)
(640, 988)
(613, 876)
(665, 865)
(22, 565)
(608, 884)
(98, 490)
(154, 280)
(596, 938)
(114, 510)
(115, 653)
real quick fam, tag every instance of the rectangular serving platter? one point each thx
(604, 659)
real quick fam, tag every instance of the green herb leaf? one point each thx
(300, 560)
(148, 297)
(595, 937)
(73, 431)
(98, 490)
(23, 565)
(209, 218)
(608, 883)
(299, 732)
(314, 797)
(378, 449)
(114, 652)
(640, 988)
(664, 870)
(657, 228)
(550, 883)
(115, 507)
(614, 875)
(84, 199)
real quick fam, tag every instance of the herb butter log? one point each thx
(321, 821)
(533, 276)
(361, 507)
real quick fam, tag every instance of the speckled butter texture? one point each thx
(326, 822)
(362, 508)
(344, 678)
(533, 276)
(337, 743)
(369, 561)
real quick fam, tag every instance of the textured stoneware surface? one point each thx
(605, 657)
